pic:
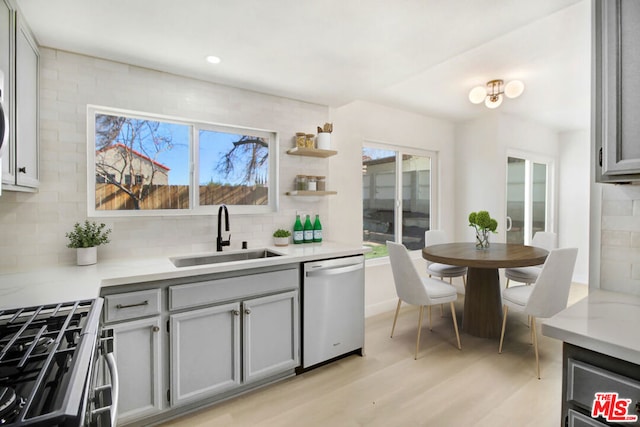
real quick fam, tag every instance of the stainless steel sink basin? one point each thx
(219, 257)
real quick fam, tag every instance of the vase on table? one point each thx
(482, 238)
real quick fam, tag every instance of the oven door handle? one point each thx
(115, 386)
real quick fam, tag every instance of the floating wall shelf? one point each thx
(311, 152)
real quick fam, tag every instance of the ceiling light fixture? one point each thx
(492, 93)
(213, 59)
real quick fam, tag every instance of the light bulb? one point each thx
(493, 104)
(477, 94)
(514, 89)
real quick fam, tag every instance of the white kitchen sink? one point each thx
(218, 257)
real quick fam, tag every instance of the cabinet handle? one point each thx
(120, 306)
(247, 311)
(155, 329)
(22, 169)
(236, 312)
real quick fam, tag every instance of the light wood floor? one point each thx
(444, 387)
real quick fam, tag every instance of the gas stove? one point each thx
(47, 356)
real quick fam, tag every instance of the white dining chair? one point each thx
(542, 239)
(548, 296)
(438, 237)
(416, 290)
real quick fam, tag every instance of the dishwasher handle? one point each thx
(330, 271)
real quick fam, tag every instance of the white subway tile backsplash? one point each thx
(68, 82)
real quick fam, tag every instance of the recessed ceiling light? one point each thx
(213, 59)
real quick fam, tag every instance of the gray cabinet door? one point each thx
(616, 90)
(204, 352)
(271, 335)
(137, 350)
(27, 58)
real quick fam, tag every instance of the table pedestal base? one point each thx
(482, 303)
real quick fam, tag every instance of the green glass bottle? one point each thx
(308, 230)
(317, 230)
(298, 231)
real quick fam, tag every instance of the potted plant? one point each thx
(85, 238)
(483, 223)
(281, 237)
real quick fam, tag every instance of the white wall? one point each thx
(574, 198)
(361, 121)
(33, 226)
(482, 146)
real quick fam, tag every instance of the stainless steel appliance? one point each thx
(49, 357)
(332, 309)
(4, 121)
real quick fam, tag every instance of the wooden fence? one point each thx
(110, 197)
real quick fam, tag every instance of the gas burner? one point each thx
(10, 404)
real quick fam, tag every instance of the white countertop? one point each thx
(69, 283)
(605, 322)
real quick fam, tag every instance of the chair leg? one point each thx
(419, 328)
(464, 281)
(451, 280)
(530, 328)
(535, 345)
(455, 324)
(507, 283)
(429, 312)
(504, 324)
(393, 328)
(441, 310)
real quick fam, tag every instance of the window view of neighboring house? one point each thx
(143, 163)
(117, 163)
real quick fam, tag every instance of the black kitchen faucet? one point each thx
(219, 242)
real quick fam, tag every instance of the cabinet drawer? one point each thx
(584, 381)
(576, 419)
(230, 288)
(131, 305)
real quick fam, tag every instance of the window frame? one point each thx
(434, 202)
(195, 126)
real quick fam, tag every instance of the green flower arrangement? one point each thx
(88, 235)
(483, 224)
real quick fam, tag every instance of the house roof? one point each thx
(137, 153)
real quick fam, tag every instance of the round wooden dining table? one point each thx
(483, 301)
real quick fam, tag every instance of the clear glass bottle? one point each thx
(302, 183)
(301, 139)
(308, 230)
(298, 231)
(317, 230)
(321, 183)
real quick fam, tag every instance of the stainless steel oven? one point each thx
(50, 356)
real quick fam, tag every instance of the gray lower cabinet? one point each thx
(138, 350)
(211, 353)
(586, 374)
(270, 335)
(205, 352)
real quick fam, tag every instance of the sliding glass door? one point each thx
(528, 197)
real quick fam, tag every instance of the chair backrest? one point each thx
(551, 291)
(409, 286)
(434, 237)
(545, 240)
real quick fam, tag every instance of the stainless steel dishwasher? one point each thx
(332, 309)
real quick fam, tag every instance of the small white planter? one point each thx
(87, 256)
(281, 241)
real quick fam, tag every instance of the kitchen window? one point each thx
(145, 164)
(397, 196)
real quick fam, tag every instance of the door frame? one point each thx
(551, 198)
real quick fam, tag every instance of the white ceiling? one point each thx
(418, 55)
